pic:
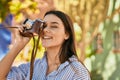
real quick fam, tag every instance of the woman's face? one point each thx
(54, 33)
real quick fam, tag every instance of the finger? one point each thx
(21, 29)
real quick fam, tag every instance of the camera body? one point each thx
(32, 27)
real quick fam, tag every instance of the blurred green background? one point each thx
(97, 29)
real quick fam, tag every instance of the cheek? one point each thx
(59, 38)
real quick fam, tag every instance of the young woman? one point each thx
(60, 60)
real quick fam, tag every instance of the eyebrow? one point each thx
(54, 22)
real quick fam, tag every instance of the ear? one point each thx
(66, 36)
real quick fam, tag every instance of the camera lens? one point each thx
(28, 24)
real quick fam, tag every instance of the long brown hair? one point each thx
(68, 47)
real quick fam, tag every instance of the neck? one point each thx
(53, 56)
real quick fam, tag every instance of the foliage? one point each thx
(88, 14)
(22, 9)
(4, 10)
(91, 16)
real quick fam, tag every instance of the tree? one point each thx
(88, 14)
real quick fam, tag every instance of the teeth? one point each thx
(46, 37)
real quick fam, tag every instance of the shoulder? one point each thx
(75, 63)
(40, 62)
(37, 61)
(79, 69)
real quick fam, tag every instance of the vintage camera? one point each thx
(32, 27)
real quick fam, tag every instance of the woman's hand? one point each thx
(18, 39)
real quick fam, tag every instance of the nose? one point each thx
(46, 29)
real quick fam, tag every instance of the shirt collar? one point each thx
(65, 64)
(61, 67)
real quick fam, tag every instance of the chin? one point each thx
(45, 46)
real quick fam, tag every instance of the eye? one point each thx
(54, 26)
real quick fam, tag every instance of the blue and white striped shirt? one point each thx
(72, 70)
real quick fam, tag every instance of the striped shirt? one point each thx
(72, 70)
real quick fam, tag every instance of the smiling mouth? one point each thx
(46, 37)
